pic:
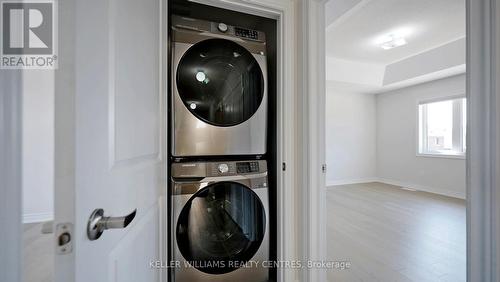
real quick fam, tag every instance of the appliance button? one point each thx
(222, 27)
(223, 168)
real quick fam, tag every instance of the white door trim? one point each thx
(483, 148)
(496, 146)
(10, 175)
(312, 131)
(64, 132)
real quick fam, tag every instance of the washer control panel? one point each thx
(214, 169)
(247, 167)
(235, 168)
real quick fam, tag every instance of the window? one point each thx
(442, 127)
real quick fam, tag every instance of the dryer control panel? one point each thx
(214, 169)
(197, 25)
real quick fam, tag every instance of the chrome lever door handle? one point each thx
(98, 223)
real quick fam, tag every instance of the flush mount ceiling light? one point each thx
(393, 41)
(396, 36)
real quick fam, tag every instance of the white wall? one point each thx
(347, 71)
(38, 145)
(374, 138)
(350, 136)
(397, 162)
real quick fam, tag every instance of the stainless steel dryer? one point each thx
(221, 221)
(219, 84)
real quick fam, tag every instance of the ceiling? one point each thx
(425, 24)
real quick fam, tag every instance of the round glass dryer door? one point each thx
(220, 82)
(221, 224)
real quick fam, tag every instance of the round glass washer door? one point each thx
(221, 224)
(220, 82)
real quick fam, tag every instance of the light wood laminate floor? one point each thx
(392, 234)
(38, 254)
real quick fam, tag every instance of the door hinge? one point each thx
(64, 235)
(283, 166)
(323, 168)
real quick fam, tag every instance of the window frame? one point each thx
(458, 120)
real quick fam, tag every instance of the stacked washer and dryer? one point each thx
(219, 179)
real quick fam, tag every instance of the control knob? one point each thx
(222, 27)
(223, 168)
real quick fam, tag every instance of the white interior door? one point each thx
(109, 124)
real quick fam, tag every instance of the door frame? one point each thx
(11, 175)
(311, 66)
(483, 140)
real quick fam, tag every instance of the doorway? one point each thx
(396, 139)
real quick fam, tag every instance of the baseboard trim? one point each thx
(413, 186)
(38, 217)
(423, 188)
(351, 181)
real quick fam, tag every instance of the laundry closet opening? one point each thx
(222, 144)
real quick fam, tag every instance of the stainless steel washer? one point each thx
(219, 85)
(221, 221)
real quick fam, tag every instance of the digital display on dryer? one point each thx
(246, 33)
(247, 167)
